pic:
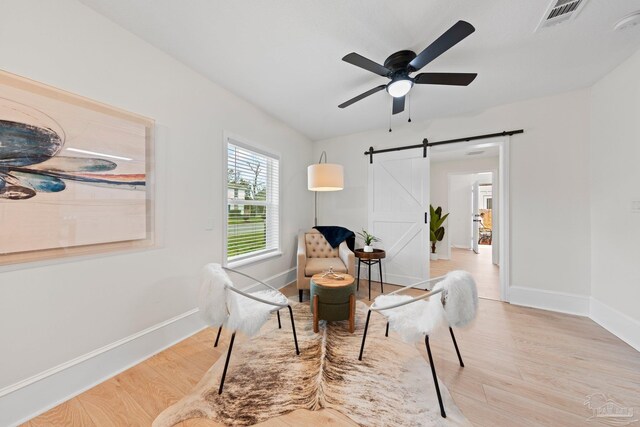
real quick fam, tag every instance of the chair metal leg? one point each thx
(293, 326)
(218, 336)
(435, 377)
(381, 285)
(386, 333)
(226, 363)
(455, 344)
(279, 324)
(364, 336)
(300, 295)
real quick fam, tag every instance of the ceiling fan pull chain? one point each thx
(409, 100)
(390, 116)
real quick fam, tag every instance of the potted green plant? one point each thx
(437, 230)
(368, 240)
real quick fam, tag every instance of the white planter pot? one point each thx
(434, 257)
(368, 248)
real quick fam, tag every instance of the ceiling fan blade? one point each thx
(367, 64)
(362, 96)
(454, 35)
(398, 105)
(451, 79)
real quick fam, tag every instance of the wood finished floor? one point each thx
(524, 367)
(480, 265)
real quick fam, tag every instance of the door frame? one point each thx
(475, 206)
(504, 214)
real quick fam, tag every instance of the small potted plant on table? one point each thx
(368, 239)
(437, 230)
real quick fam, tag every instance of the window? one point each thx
(253, 217)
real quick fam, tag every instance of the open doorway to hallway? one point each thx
(465, 184)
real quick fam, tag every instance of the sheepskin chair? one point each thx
(222, 304)
(452, 301)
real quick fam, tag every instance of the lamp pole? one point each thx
(315, 203)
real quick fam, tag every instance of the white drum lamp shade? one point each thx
(325, 177)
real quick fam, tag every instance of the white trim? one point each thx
(250, 259)
(20, 384)
(619, 324)
(28, 398)
(249, 145)
(503, 211)
(550, 300)
(282, 279)
(230, 138)
(504, 219)
(32, 396)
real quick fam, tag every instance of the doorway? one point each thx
(466, 184)
(403, 183)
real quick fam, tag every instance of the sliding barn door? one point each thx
(398, 207)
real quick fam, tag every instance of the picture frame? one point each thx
(76, 175)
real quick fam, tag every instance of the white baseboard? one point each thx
(32, 396)
(28, 398)
(619, 324)
(281, 280)
(550, 300)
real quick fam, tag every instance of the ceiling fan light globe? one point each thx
(399, 88)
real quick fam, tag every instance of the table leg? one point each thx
(358, 283)
(381, 285)
(352, 313)
(315, 313)
(369, 280)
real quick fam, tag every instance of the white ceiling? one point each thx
(285, 55)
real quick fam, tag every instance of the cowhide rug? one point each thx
(391, 386)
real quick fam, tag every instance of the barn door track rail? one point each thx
(426, 144)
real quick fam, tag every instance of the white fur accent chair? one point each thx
(315, 255)
(222, 304)
(452, 301)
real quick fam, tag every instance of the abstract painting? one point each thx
(73, 172)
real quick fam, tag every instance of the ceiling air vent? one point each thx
(561, 11)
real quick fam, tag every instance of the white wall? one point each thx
(440, 188)
(615, 183)
(53, 312)
(549, 214)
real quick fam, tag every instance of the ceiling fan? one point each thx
(399, 66)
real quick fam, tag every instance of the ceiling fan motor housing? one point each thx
(399, 62)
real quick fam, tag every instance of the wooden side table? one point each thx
(370, 258)
(333, 299)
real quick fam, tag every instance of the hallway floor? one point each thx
(487, 274)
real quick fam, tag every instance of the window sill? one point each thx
(251, 260)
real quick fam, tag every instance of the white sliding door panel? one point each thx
(398, 202)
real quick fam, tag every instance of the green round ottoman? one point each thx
(333, 299)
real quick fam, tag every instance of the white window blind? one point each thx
(253, 213)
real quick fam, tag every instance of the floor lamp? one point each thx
(324, 177)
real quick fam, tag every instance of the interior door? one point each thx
(475, 216)
(398, 214)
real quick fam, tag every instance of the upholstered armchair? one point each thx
(316, 255)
